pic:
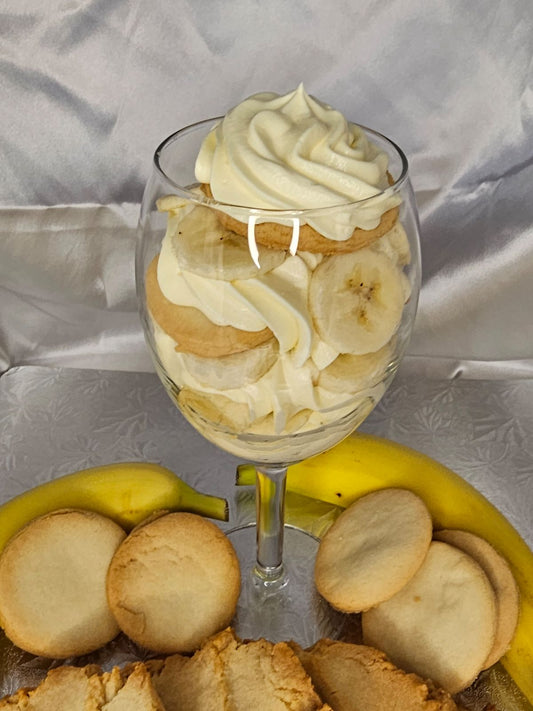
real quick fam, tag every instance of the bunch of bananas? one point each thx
(363, 463)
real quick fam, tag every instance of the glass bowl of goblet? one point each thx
(275, 342)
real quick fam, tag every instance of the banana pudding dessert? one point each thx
(278, 296)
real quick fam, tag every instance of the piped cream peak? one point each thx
(294, 152)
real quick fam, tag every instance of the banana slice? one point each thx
(312, 259)
(350, 373)
(175, 204)
(232, 371)
(356, 300)
(205, 409)
(267, 425)
(395, 245)
(206, 248)
(171, 203)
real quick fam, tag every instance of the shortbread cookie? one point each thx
(373, 549)
(278, 236)
(227, 674)
(69, 688)
(63, 689)
(53, 584)
(354, 677)
(66, 688)
(502, 580)
(174, 582)
(136, 694)
(442, 624)
(194, 683)
(262, 675)
(14, 702)
(194, 332)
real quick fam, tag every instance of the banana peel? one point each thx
(127, 492)
(362, 463)
(313, 516)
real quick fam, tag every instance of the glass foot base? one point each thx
(289, 607)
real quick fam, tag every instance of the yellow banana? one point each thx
(363, 463)
(127, 492)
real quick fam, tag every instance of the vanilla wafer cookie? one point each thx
(137, 692)
(342, 672)
(174, 582)
(502, 580)
(278, 236)
(70, 688)
(194, 332)
(442, 624)
(64, 688)
(228, 674)
(53, 584)
(373, 549)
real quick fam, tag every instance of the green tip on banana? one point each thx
(127, 492)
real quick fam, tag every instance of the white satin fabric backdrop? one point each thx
(90, 87)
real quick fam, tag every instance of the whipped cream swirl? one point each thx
(294, 152)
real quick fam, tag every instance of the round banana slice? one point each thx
(395, 244)
(235, 370)
(175, 204)
(266, 425)
(205, 409)
(203, 246)
(356, 301)
(349, 373)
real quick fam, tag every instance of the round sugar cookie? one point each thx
(53, 584)
(278, 236)
(442, 624)
(194, 332)
(502, 580)
(174, 582)
(373, 549)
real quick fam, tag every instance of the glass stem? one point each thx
(270, 507)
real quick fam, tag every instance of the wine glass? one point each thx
(270, 346)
